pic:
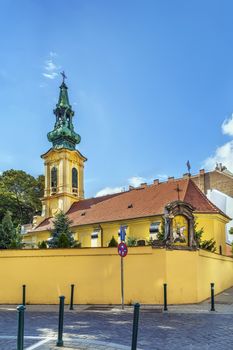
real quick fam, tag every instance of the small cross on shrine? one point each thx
(63, 76)
(178, 190)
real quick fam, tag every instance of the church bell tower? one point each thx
(63, 164)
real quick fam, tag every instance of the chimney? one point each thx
(201, 178)
(170, 179)
(131, 188)
(143, 185)
(156, 181)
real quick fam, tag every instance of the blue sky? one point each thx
(151, 83)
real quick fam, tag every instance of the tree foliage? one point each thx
(62, 236)
(10, 237)
(113, 242)
(42, 245)
(131, 242)
(161, 233)
(20, 194)
(209, 244)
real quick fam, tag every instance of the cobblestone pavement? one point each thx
(157, 330)
(186, 327)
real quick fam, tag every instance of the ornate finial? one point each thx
(63, 76)
(178, 190)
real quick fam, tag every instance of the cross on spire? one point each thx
(188, 167)
(178, 190)
(63, 76)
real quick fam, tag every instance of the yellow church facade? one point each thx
(139, 229)
(140, 211)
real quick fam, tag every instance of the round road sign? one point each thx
(122, 249)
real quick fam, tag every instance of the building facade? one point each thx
(142, 211)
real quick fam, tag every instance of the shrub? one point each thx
(149, 241)
(208, 245)
(42, 245)
(131, 241)
(77, 244)
(113, 242)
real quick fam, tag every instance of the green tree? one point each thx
(10, 237)
(209, 244)
(113, 242)
(20, 193)
(62, 236)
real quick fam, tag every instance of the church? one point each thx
(179, 204)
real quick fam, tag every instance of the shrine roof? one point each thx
(144, 201)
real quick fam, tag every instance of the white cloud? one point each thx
(52, 54)
(50, 67)
(50, 75)
(227, 126)
(162, 177)
(223, 154)
(135, 181)
(109, 190)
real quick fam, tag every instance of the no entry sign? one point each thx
(122, 249)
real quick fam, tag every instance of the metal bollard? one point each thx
(212, 297)
(20, 336)
(165, 296)
(135, 326)
(24, 295)
(60, 322)
(72, 297)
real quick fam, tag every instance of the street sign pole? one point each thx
(122, 251)
(122, 283)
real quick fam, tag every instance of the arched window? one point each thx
(74, 178)
(54, 177)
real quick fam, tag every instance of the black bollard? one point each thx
(24, 294)
(212, 297)
(165, 296)
(135, 326)
(20, 336)
(60, 322)
(72, 297)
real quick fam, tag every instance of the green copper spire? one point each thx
(63, 134)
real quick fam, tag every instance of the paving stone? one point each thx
(187, 327)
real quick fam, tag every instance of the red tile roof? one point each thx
(136, 203)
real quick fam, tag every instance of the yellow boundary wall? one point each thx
(96, 275)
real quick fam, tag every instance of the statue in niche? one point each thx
(179, 224)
